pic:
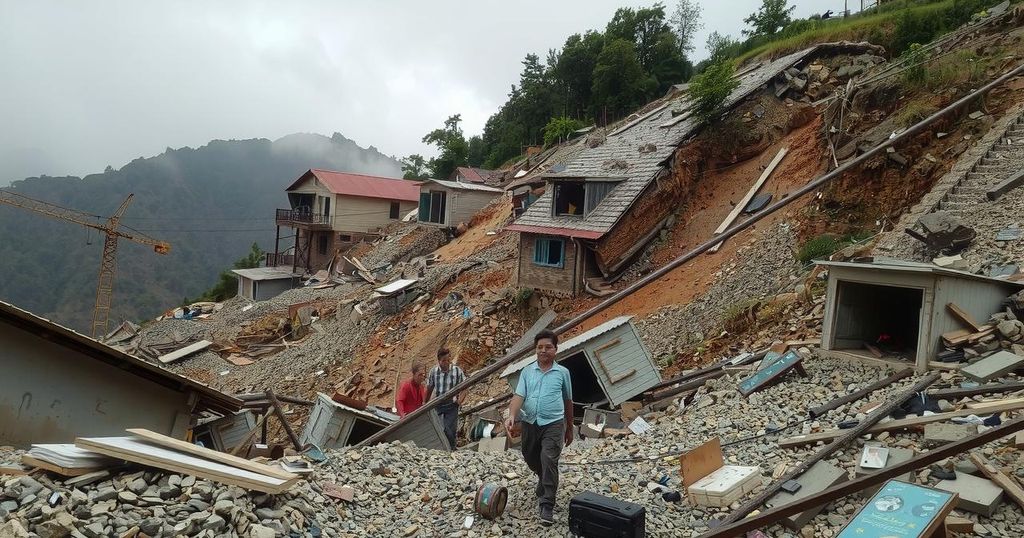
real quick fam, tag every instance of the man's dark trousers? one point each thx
(542, 445)
(449, 414)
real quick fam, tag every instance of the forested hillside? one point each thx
(210, 203)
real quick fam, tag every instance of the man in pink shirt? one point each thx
(412, 392)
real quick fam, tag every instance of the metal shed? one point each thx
(263, 283)
(608, 363)
(903, 306)
(334, 425)
(448, 203)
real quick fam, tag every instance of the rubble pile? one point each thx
(402, 242)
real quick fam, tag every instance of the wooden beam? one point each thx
(964, 317)
(1012, 488)
(757, 502)
(747, 197)
(990, 388)
(284, 420)
(768, 517)
(1011, 183)
(816, 412)
(900, 424)
(685, 386)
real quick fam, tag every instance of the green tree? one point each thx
(710, 89)
(772, 16)
(452, 146)
(574, 71)
(476, 151)
(719, 46)
(619, 80)
(686, 23)
(560, 129)
(227, 283)
(414, 167)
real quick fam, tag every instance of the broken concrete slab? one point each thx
(944, 231)
(978, 495)
(993, 366)
(819, 477)
(939, 433)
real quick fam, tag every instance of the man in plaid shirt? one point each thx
(440, 381)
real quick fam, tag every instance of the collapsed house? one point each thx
(333, 424)
(608, 364)
(612, 196)
(450, 203)
(331, 211)
(900, 310)
(59, 384)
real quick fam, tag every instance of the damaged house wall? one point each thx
(553, 278)
(58, 385)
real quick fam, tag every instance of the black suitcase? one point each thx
(596, 516)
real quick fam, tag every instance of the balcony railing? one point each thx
(280, 260)
(306, 219)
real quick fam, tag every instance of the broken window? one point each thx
(549, 252)
(569, 198)
(395, 209)
(321, 246)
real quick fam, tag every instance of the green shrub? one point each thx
(560, 129)
(818, 248)
(709, 89)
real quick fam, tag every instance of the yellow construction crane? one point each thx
(108, 263)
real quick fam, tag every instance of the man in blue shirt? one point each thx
(542, 404)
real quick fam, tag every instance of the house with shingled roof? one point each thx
(603, 205)
(330, 211)
(466, 174)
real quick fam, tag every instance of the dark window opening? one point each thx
(586, 389)
(549, 252)
(886, 317)
(569, 199)
(432, 206)
(321, 246)
(362, 430)
(395, 208)
(327, 209)
(345, 238)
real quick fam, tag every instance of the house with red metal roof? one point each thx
(466, 174)
(331, 211)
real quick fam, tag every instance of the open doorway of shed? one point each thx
(586, 389)
(885, 317)
(361, 430)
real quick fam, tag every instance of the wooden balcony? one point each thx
(295, 218)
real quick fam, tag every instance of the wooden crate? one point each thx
(725, 485)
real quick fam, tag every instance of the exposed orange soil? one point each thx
(476, 239)
(712, 201)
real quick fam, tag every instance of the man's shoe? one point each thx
(547, 518)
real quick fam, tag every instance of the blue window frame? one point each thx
(549, 252)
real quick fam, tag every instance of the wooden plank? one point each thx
(184, 352)
(894, 425)
(816, 412)
(701, 461)
(768, 517)
(143, 453)
(990, 388)
(600, 361)
(750, 194)
(284, 420)
(212, 455)
(1011, 488)
(987, 404)
(54, 468)
(964, 317)
(959, 525)
(1011, 183)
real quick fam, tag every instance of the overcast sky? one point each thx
(90, 84)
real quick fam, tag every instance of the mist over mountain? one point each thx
(210, 203)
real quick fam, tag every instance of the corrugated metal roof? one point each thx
(262, 273)
(892, 264)
(351, 184)
(567, 347)
(461, 186)
(209, 398)
(665, 128)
